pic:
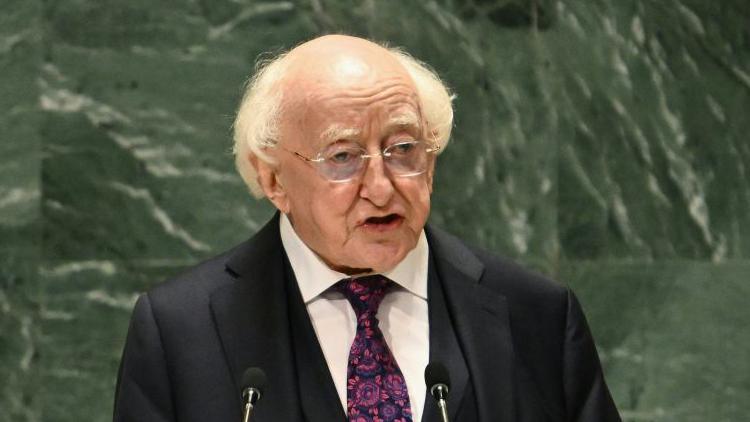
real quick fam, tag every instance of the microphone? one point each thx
(438, 384)
(253, 381)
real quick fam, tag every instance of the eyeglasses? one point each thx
(344, 161)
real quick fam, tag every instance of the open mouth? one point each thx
(384, 222)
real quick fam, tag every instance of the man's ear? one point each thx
(269, 182)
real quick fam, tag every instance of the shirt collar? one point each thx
(314, 277)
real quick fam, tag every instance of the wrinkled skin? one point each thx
(355, 90)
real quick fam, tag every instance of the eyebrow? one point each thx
(407, 119)
(337, 132)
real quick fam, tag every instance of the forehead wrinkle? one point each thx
(397, 109)
(393, 95)
(382, 90)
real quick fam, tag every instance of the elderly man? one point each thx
(345, 296)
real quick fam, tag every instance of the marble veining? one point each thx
(160, 215)
(603, 143)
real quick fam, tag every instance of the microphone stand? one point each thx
(248, 412)
(440, 392)
(251, 396)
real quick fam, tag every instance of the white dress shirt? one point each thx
(402, 314)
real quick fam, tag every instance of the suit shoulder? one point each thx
(194, 285)
(496, 272)
(504, 273)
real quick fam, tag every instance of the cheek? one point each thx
(423, 210)
(331, 208)
(418, 197)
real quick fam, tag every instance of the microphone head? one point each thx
(436, 373)
(253, 378)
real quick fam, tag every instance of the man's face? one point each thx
(374, 220)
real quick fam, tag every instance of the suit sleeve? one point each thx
(143, 392)
(586, 394)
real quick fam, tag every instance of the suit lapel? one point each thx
(252, 319)
(320, 401)
(262, 322)
(444, 348)
(481, 322)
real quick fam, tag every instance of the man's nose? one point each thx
(377, 185)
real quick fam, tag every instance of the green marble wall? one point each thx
(604, 142)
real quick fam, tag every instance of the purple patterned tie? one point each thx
(375, 388)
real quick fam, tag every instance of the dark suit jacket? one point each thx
(517, 345)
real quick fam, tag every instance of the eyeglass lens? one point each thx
(344, 161)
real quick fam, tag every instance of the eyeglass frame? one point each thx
(432, 147)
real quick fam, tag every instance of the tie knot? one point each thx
(364, 293)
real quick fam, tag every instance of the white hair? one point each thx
(256, 126)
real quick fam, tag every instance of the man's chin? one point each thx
(382, 258)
